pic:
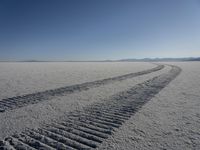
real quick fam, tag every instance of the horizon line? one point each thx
(112, 60)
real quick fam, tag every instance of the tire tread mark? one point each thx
(47, 140)
(24, 100)
(32, 142)
(61, 139)
(88, 128)
(72, 137)
(78, 133)
(18, 145)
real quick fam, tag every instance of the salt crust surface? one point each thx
(171, 120)
(44, 112)
(28, 77)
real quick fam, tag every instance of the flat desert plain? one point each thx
(100, 105)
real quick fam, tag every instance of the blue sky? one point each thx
(98, 29)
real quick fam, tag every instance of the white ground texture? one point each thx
(25, 78)
(170, 120)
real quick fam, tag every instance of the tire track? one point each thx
(88, 128)
(24, 100)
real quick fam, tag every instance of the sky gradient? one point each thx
(98, 29)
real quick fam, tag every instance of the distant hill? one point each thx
(121, 60)
(162, 59)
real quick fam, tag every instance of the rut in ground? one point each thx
(88, 128)
(24, 100)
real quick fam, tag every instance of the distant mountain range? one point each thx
(123, 60)
(162, 59)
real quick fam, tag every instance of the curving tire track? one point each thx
(88, 128)
(24, 100)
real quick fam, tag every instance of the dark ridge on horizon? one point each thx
(121, 60)
(162, 59)
(58, 60)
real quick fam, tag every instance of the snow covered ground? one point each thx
(171, 120)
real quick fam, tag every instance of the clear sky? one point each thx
(98, 29)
